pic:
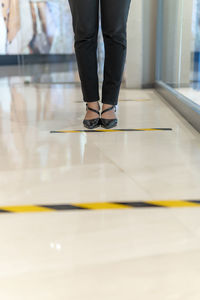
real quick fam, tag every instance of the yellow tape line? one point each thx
(138, 100)
(26, 209)
(101, 205)
(173, 203)
(110, 130)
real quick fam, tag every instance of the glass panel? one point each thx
(170, 41)
(195, 51)
(9, 39)
(179, 46)
(37, 41)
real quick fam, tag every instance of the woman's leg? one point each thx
(85, 17)
(114, 15)
(47, 21)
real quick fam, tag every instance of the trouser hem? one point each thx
(91, 100)
(109, 102)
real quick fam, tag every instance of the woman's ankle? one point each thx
(107, 105)
(93, 104)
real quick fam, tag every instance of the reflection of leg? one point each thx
(31, 45)
(48, 113)
(38, 104)
(19, 104)
(33, 17)
(47, 20)
(41, 41)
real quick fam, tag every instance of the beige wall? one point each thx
(176, 45)
(133, 70)
(177, 40)
(141, 52)
(149, 41)
(186, 42)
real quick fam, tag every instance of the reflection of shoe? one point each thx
(108, 123)
(32, 45)
(40, 44)
(92, 123)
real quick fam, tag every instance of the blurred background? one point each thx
(151, 251)
(179, 46)
(36, 44)
(40, 48)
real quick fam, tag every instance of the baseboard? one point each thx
(188, 109)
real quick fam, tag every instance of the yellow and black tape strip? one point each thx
(134, 100)
(111, 130)
(122, 100)
(100, 206)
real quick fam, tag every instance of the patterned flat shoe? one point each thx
(108, 123)
(92, 123)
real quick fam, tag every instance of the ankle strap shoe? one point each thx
(108, 123)
(92, 123)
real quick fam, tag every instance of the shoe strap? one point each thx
(107, 109)
(92, 109)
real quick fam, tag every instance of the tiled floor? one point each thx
(191, 93)
(123, 254)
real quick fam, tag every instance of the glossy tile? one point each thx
(191, 93)
(78, 255)
(109, 255)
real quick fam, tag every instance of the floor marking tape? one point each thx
(138, 100)
(111, 130)
(122, 100)
(100, 206)
(175, 203)
(25, 209)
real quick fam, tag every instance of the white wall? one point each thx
(149, 41)
(141, 52)
(177, 40)
(133, 68)
(176, 46)
(186, 42)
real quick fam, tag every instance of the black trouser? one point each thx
(85, 18)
